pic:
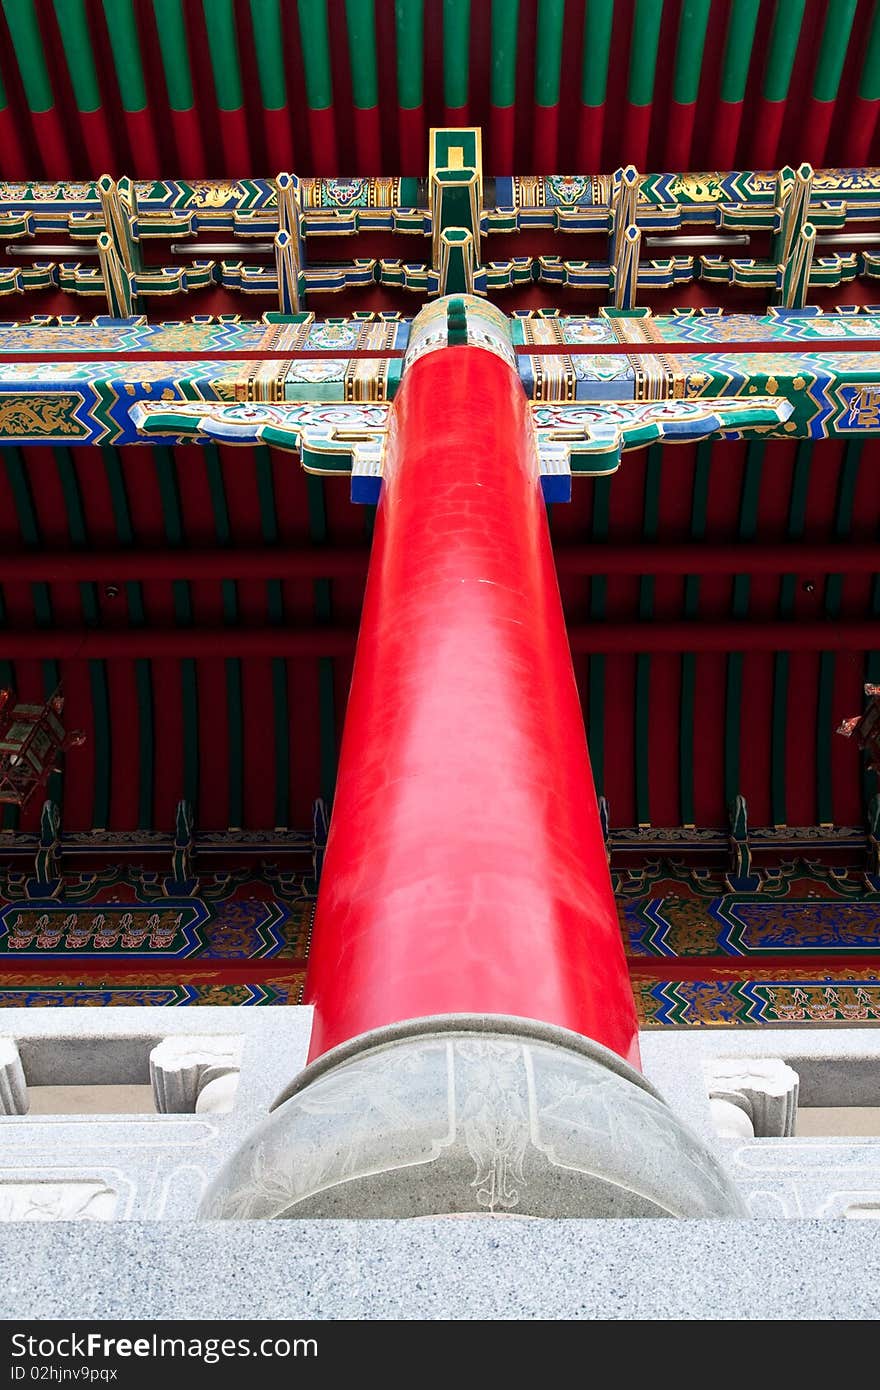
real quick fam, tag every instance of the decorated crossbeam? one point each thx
(71, 382)
(128, 240)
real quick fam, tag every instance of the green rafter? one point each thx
(598, 25)
(173, 46)
(687, 708)
(361, 23)
(136, 617)
(88, 593)
(456, 51)
(229, 590)
(644, 47)
(275, 605)
(843, 511)
(505, 35)
(596, 668)
(692, 25)
(315, 40)
(548, 51)
(27, 42)
(797, 510)
(787, 20)
(323, 614)
(642, 707)
(748, 520)
(121, 24)
(166, 473)
(223, 48)
(73, 25)
(269, 47)
(30, 534)
(738, 49)
(409, 20)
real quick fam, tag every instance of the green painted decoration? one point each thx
(122, 30)
(787, 20)
(689, 50)
(598, 24)
(171, 28)
(505, 32)
(643, 51)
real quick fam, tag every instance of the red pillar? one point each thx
(465, 870)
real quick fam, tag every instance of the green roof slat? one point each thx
(644, 45)
(691, 41)
(748, 519)
(174, 48)
(787, 20)
(738, 49)
(456, 51)
(598, 24)
(122, 28)
(73, 25)
(505, 33)
(323, 614)
(596, 664)
(166, 474)
(361, 23)
(797, 510)
(27, 41)
(275, 605)
(30, 534)
(269, 48)
(101, 737)
(409, 20)
(548, 52)
(843, 512)
(136, 616)
(223, 48)
(699, 509)
(869, 82)
(229, 590)
(832, 48)
(315, 40)
(642, 705)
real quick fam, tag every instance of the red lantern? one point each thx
(31, 739)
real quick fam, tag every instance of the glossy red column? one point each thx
(465, 870)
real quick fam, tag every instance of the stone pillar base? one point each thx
(471, 1115)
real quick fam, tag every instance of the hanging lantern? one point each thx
(31, 739)
(865, 728)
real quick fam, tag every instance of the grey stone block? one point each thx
(766, 1088)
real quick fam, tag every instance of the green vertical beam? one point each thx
(223, 48)
(596, 668)
(869, 82)
(456, 51)
(689, 50)
(843, 511)
(748, 520)
(642, 708)
(327, 704)
(505, 33)
(797, 511)
(361, 23)
(409, 21)
(315, 41)
(644, 46)
(787, 20)
(738, 49)
(125, 45)
(171, 28)
(229, 591)
(275, 605)
(136, 617)
(27, 42)
(30, 534)
(166, 474)
(73, 25)
(101, 725)
(548, 51)
(687, 710)
(269, 48)
(832, 49)
(598, 24)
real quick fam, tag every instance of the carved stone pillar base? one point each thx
(471, 1114)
